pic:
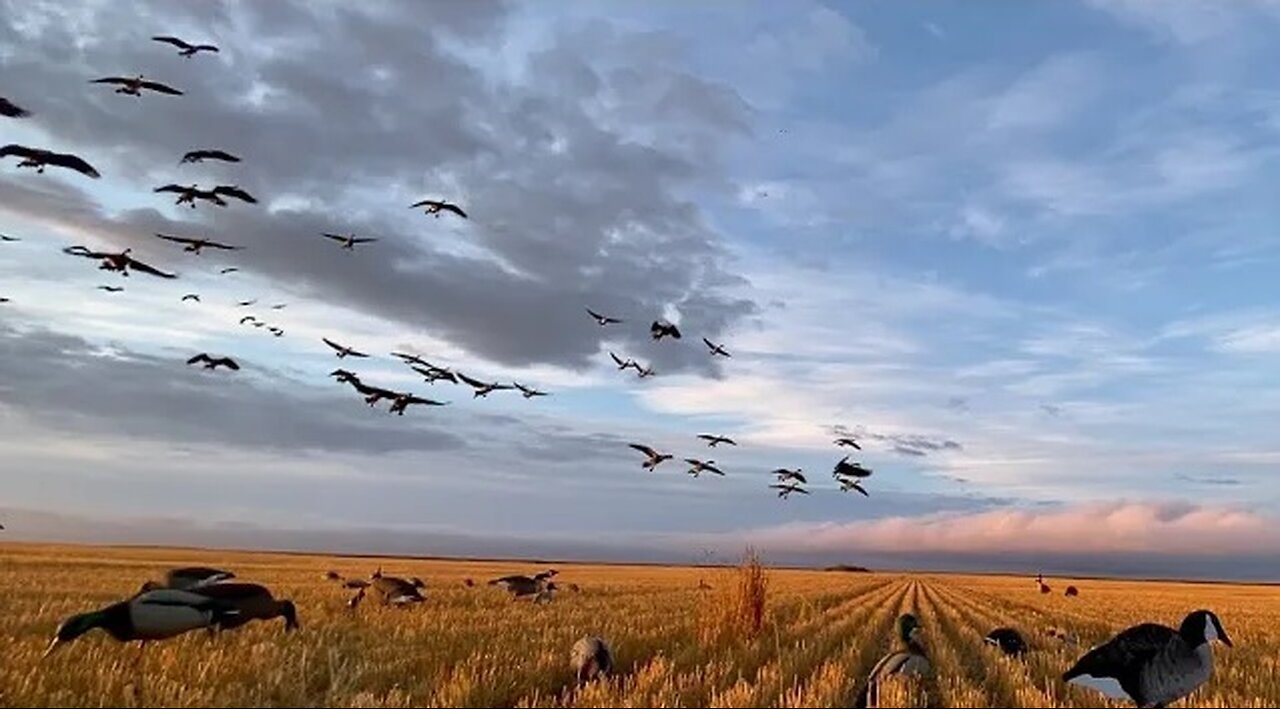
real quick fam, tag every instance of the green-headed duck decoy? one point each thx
(591, 659)
(909, 659)
(151, 615)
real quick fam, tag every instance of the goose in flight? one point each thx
(225, 271)
(785, 490)
(121, 262)
(134, 86)
(10, 109)
(342, 351)
(713, 441)
(349, 242)
(846, 442)
(404, 401)
(195, 156)
(9, 239)
(188, 194)
(848, 484)
(195, 246)
(111, 289)
(279, 306)
(624, 365)
(845, 469)
(698, 467)
(411, 359)
(213, 362)
(246, 303)
(435, 206)
(191, 296)
(278, 332)
(248, 319)
(653, 458)
(528, 392)
(645, 372)
(787, 476)
(433, 374)
(40, 159)
(482, 389)
(661, 328)
(185, 49)
(234, 192)
(716, 350)
(602, 320)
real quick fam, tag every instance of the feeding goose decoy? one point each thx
(713, 440)
(134, 85)
(845, 469)
(185, 49)
(195, 246)
(404, 401)
(151, 615)
(661, 328)
(482, 389)
(1072, 592)
(698, 467)
(1008, 641)
(786, 490)
(234, 192)
(846, 442)
(716, 350)
(120, 262)
(785, 475)
(653, 458)
(435, 207)
(624, 364)
(602, 320)
(213, 362)
(528, 392)
(342, 351)
(188, 194)
(111, 289)
(391, 591)
(349, 242)
(187, 578)
(908, 659)
(40, 158)
(10, 109)
(591, 659)
(1152, 665)
(251, 601)
(191, 296)
(523, 586)
(195, 156)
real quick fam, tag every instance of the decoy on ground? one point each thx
(1072, 592)
(195, 246)
(522, 586)
(391, 591)
(185, 49)
(528, 392)
(661, 328)
(10, 109)
(591, 659)
(120, 262)
(602, 320)
(698, 467)
(213, 362)
(716, 350)
(713, 441)
(482, 389)
(148, 616)
(40, 159)
(909, 659)
(785, 490)
(653, 459)
(251, 602)
(343, 351)
(134, 86)
(349, 242)
(195, 156)
(435, 206)
(1008, 641)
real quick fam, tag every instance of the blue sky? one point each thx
(1042, 231)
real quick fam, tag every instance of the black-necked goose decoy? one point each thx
(482, 389)
(909, 659)
(210, 362)
(591, 659)
(195, 156)
(661, 328)
(652, 457)
(342, 351)
(716, 350)
(1152, 665)
(40, 159)
(251, 602)
(713, 440)
(698, 467)
(9, 109)
(624, 364)
(121, 262)
(390, 591)
(195, 246)
(349, 241)
(786, 490)
(134, 85)
(403, 401)
(111, 289)
(436, 207)
(785, 475)
(151, 615)
(185, 49)
(602, 320)
(528, 392)
(1008, 641)
(524, 586)
(847, 442)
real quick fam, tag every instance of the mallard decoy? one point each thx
(39, 159)
(151, 615)
(909, 659)
(186, 49)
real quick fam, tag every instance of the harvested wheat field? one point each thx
(755, 638)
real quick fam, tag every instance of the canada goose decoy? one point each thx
(785, 490)
(349, 242)
(716, 350)
(698, 467)
(187, 578)
(390, 591)
(846, 442)
(1044, 589)
(1064, 636)
(469, 582)
(185, 49)
(713, 440)
(653, 458)
(482, 389)
(522, 586)
(342, 351)
(225, 271)
(602, 320)
(435, 207)
(195, 246)
(575, 588)
(404, 401)
(111, 289)
(120, 262)
(661, 328)
(213, 362)
(845, 469)
(528, 392)
(1072, 592)
(545, 575)
(9, 109)
(196, 156)
(188, 194)
(332, 576)
(355, 583)
(1152, 665)
(40, 159)
(909, 659)
(1008, 641)
(624, 364)
(785, 475)
(151, 615)
(192, 297)
(251, 602)
(134, 85)
(234, 192)
(591, 659)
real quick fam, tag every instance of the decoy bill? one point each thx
(661, 328)
(210, 362)
(528, 392)
(135, 85)
(653, 458)
(195, 246)
(846, 442)
(482, 389)
(713, 441)
(436, 207)
(602, 320)
(349, 242)
(9, 109)
(716, 350)
(698, 467)
(39, 159)
(342, 351)
(195, 156)
(185, 49)
(120, 262)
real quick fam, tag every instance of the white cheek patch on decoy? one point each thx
(1109, 686)
(1210, 629)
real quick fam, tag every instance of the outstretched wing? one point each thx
(145, 268)
(202, 357)
(335, 237)
(644, 449)
(86, 253)
(160, 88)
(18, 151)
(179, 189)
(233, 191)
(11, 109)
(230, 363)
(206, 48)
(426, 402)
(475, 383)
(176, 239)
(167, 39)
(448, 207)
(425, 203)
(72, 162)
(112, 80)
(337, 347)
(364, 240)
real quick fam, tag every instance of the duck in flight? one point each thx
(342, 351)
(716, 350)
(528, 392)
(195, 246)
(786, 490)
(9, 109)
(661, 328)
(185, 49)
(135, 85)
(846, 442)
(404, 401)
(349, 242)
(111, 289)
(40, 159)
(214, 362)
(698, 467)
(653, 458)
(713, 441)
(195, 156)
(435, 207)
(602, 320)
(482, 389)
(121, 262)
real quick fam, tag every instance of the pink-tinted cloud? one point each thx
(1112, 528)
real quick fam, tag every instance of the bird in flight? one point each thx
(40, 159)
(119, 262)
(482, 389)
(716, 350)
(433, 374)
(846, 442)
(10, 109)
(645, 372)
(186, 49)
(404, 401)
(248, 319)
(7, 238)
(225, 271)
(190, 193)
(343, 351)
(234, 192)
(349, 242)
(246, 303)
(660, 329)
(528, 392)
(697, 467)
(279, 306)
(856, 485)
(435, 206)
(191, 296)
(624, 365)
(845, 469)
(653, 459)
(602, 320)
(213, 362)
(791, 476)
(133, 86)
(713, 441)
(111, 289)
(788, 489)
(195, 156)
(278, 332)
(195, 246)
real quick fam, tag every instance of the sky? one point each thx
(1025, 252)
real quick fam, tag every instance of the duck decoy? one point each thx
(134, 85)
(342, 351)
(251, 602)
(40, 158)
(482, 389)
(435, 207)
(846, 442)
(908, 659)
(185, 49)
(1072, 592)
(716, 350)
(661, 328)
(1008, 641)
(713, 440)
(213, 362)
(698, 467)
(653, 458)
(786, 490)
(591, 659)
(349, 242)
(528, 392)
(151, 615)
(120, 262)
(195, 246)
(195, 156)
(187, 578)
(602, 320)
(9, 109)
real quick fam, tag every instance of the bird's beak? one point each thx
(1225, 640)
(53, 646)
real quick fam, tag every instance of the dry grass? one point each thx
(736, 613)
(816, 636)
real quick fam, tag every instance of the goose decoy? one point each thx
(188, 194)
(120, 262)
(469, 582)
(698, 467)
(846, 442)
(185, 49)
(342, 351)
(435, 207)
(187, 578)
(195, 246)
(251, 601)
(1008, 640)
(404, 401)
(1072, 592)
(234, 192)
(661, 328)
(626, 364)
(192, 297)
(785, 475)
(523, 586)
(716, 350)
(1044, 589)
(528, 392)
(213, 362)
(845, 469)
(1064, 636)
(785, 490)
(195, 156)
(134, 85)
(332, 576)
(111, 289)
(349, 242)
(40, 158)
(591, 659)
(9, 109)
(909, 659)
(602, 320)
(1152, 665)
(653, 458)
(390, 591)
(225, 271)
(355, 583)
(482, 389)
(151, 615)
(545, 575)
(713, 441)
